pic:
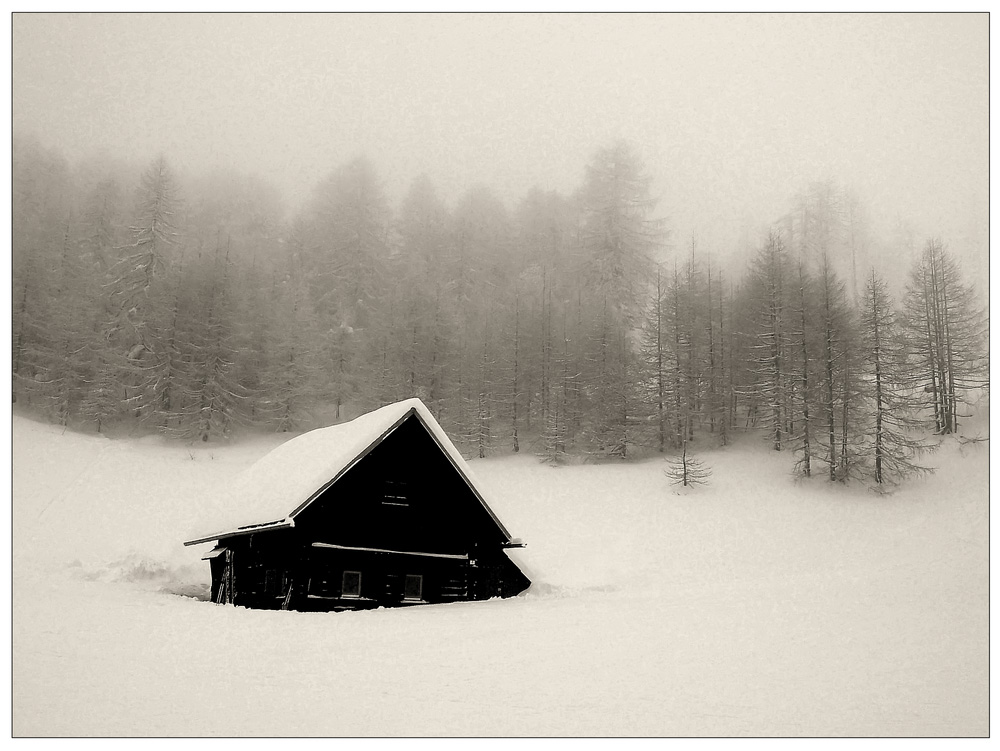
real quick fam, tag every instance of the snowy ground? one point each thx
(754, 606)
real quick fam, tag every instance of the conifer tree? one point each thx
(346, 244)
(41, 204)
(656, 359)
(556, 437)
(65, 357)
(769, 348)
(418, 294)
(290, 380)
(618, 238)
(947, 330)
(104, 398)
(838, 393)
(687, 470)
(889, 438)
(212, 394)
(804, 346)
(136, 289)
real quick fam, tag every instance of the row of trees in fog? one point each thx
(569, 325)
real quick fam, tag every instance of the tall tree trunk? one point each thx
(877, 363)
(514, 385)
(806, 426)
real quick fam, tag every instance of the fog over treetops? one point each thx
(600, 236)
(732, 114)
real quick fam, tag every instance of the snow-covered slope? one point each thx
(757, 605)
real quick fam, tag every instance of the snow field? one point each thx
(757, 605)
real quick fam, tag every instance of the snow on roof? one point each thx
(273, 490)
(521, 559)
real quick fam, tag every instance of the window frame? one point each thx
(343, 586)
(420, 589)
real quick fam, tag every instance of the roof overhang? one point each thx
(248, 530)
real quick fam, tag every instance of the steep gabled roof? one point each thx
(270, 493)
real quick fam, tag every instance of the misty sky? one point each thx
(732, 113)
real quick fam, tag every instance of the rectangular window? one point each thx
(413, 588)
(352, 584)
(395, 494)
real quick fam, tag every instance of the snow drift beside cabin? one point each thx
(275, 486)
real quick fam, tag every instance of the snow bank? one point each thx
(757, 605)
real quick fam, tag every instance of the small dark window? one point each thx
(352, 584)
(322, 587)
(395, 493)
(413, 588)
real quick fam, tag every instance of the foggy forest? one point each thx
(696, 309)
(566, 326)
(646, 296)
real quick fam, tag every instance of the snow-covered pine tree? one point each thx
(212, 395)
(254, 312)
(687, 470)
(857, 238)
(165, 398)
(728, 361)
(290, 379)
(695, 347)
(853, 459)
(419, 284)
(817, 218)
(479, 281)
(553, 443)
(101, 232)
(482, 383)
(244, 213)
(135, 288)
(618, 239)
(104, 399)
(346, 246)
(340, 353)
(556, 437)
(656, 361)
(542, 239)
(714, 405)
(41, 204)
(804, 346)
(889, 438)
(768, 290)
(947, 329)
(515, 372)
(678, 343)
(483, 435)
(387, 341)
(101, 224)
(65, 357)
(30, 330)
(840, 372)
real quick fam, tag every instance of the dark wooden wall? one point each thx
(441, 514)
(281, 569)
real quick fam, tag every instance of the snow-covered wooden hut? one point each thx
(379, 511)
